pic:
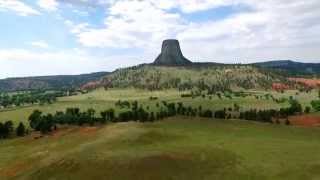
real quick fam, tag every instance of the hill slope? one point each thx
(49, 82)
(212, 77)
(178, 148)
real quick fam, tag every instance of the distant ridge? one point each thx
(49, 82)
(171, 54)
(293, 68)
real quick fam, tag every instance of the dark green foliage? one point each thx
(125, 116)
(6, 129)
(34, 119)
(25, 98)
(186, 95)
(307, 109)
(123, 104)
(220, 114)
(269, 115)
(261, 116)
(295, 107)
(207, 114)
(153, 98)
(316, 105)
(72, 116)
(21, 129)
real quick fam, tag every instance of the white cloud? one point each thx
(40, 44)
(22, 62)
(17, 6)
(269, 29)
(48, 5)
(132, 24)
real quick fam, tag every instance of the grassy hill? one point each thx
(177, 148)
(211, 77)
(48, 82)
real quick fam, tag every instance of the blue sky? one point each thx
(50, 37)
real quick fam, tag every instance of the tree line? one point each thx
(33, 97)
(46, 123)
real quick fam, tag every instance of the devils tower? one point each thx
(171, 54)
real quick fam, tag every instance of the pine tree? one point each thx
(21, 129)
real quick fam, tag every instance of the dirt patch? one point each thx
(279, 86)
(60, 132)
(88, 130)
(312, 83)
(13, 170)
(306, 120)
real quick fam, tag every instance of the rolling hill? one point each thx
(209, 77)
(49, 82)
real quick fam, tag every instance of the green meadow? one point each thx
(176, 148)
(103, 99)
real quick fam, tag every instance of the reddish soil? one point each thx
(13, 171)
(88, 130)
(312, 83)
(60, 132)
(279, 86)
(91, 85)
(305, 120)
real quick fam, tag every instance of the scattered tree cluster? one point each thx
(7, 130)
(72, 116)
(270, 115)
(23, 98)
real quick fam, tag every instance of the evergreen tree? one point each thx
(35, 119)
(21, 129)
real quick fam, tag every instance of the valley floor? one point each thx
(176, 148)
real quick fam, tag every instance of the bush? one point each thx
(307, 110)
(221, 114)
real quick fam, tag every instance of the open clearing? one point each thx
(177, 148)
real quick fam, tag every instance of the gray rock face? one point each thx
(171, 54)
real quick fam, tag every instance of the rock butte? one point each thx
(171, 54)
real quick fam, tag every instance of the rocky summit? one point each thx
(171, 54)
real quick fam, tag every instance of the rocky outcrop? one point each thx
(171, 54)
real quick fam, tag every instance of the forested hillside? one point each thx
(211, 78)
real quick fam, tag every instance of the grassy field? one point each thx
(177, 148)
(101, 100)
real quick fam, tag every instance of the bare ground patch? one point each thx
(305, 120)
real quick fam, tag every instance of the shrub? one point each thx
(316, 105)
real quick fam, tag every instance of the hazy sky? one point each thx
(47, 37)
